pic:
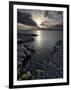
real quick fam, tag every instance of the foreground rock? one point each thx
(42, 68)
(24, 53)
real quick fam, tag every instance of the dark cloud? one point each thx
(25, 18)
(32, 17)
(54, 17)
(52, 14)
(46, 13)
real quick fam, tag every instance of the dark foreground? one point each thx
(39, 60)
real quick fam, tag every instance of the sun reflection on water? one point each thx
(39, 37)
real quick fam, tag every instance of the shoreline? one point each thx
(54, 28)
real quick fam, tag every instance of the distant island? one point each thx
(23, 27)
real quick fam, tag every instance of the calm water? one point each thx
(45, 40)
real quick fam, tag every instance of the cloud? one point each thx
(39, 18)
(25, 18)
(53, 18)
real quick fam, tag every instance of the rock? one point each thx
(21, 55)
(56, 60)
(60, 42)
(39, 71)
(30, 48)
(26, 75)
(28, 53)
(19, 63)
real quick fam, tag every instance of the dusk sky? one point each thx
(39, 18)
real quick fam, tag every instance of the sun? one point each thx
(38, 20)
(38, 23)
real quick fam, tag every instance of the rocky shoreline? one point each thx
(27, 69)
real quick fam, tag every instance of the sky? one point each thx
(39, 18)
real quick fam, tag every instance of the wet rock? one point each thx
(56, 60)
(26, 75)
(28, 53)
(24, 52)
(29, 48)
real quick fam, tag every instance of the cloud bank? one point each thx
(39, 18)
(25, 18)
